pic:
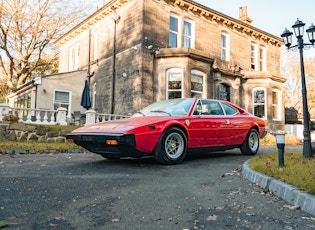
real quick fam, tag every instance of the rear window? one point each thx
(229, 110)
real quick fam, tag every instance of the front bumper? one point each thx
(96, 143)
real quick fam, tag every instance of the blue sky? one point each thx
(272, 16)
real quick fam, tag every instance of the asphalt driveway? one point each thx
(85, 191)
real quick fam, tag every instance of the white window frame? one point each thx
(74, 57)
(190, 37)
(168, 74)
(254, 56)
(262, 58)
(70, 99)
(178, 33)
(263, 101)
(276, 106)
(225, 50)
(203, 75)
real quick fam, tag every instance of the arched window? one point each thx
(174, 80)
(224, 92)
(259, 102)
(197, 83)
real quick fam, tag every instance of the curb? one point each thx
(284, 191)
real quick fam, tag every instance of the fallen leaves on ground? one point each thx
(212, 217)
(294, 207)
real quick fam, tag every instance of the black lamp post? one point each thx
(287, 37)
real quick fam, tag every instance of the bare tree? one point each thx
(27, 31)
(291, 69)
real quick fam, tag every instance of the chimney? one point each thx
(243, 15)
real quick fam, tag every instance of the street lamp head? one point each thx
(298, 28)
(287, 37)
(311, 34)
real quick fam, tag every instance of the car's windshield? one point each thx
(172, 107)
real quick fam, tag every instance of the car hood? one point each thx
(121, 125)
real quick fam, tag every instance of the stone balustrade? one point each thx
(54, 117)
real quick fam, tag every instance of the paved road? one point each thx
(85, 191)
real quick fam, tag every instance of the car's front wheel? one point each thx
(251, 143)
(172, 147)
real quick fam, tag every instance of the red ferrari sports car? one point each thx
(168, 129)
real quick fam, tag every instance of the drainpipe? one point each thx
(115, 18)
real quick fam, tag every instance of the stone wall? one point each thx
(17, 131)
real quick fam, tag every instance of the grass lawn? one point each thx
(297, 171)
(28, 145)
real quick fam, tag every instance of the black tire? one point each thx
(172, 147)
(251, 143)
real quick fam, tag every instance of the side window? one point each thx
(259, 102)
(229, 110)
(253, 56)
(211, 108)
(225, 47)
(174, 79)
(174, 31)
(275, 104)
(62, 99)
(188, 34)
(262, 58)
(197, 83)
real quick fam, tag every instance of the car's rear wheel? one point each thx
(172, 147)
(251, 143)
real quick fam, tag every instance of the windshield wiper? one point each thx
(141, 113)
(160, 111)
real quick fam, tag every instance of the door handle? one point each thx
(227, 122)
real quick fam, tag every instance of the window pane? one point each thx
(173, 24)
(223, 41)
(259, 96)
(62, 97)
(174, 94)
(187, 34)
(187, 29)
(259, 110)
(228, 109)
(187, 42)
(175, 81)
(173, 40)
(196, 83)
(224, 47)
(274, 97)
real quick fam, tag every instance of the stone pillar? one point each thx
(61, 116)
(90, 117)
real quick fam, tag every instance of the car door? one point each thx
(235, 125)
(207, 124)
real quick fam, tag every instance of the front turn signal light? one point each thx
(111, 142)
